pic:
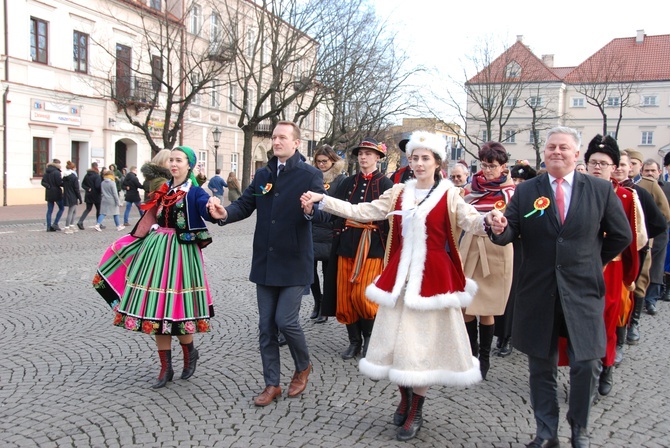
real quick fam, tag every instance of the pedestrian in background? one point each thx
(165, 288)
(71, 196)
(117, 176)
(52, 181)
(110, 201)
(217, 184)
(156, 172)
(131, 186)
(459, 174)
(92, 193)
(234, 188)
(331, 165)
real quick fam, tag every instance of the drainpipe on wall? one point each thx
(4, 110)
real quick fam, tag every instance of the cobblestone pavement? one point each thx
(69, 378)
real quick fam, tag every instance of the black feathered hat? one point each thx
(522, 171)
(666, 159)
(606, 145)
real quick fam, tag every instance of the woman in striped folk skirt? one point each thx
(157, 283)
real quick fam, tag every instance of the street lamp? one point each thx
(216, 134)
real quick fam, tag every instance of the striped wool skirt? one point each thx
(165, 289)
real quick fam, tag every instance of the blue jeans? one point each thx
(129, 207)
(102, 217)
(50, 209)
(654, 291)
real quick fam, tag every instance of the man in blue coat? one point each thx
(283, 256)
(217, 185)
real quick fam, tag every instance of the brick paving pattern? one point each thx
(69, 378)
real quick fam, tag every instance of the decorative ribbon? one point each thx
(540, 205)
(363, 246)
(155, 197)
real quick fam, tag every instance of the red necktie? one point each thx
(560, 199)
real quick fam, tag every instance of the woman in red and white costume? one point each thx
(419, 338)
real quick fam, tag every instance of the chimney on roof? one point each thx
(519, 38)
(640, 37)
(548, 60)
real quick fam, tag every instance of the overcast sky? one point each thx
(438, 34)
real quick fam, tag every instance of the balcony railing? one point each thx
(132, 89)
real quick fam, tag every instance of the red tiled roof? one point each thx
(532, 68)
(562, 72)
(624, 60)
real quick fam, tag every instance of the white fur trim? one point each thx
(458, 299)
(425, 378)
(429, 141)
(378, 295)
(374, 371)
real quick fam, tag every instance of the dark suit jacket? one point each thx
(283, 253)
(564, 262)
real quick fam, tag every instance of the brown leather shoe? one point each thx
(267, 396)
(299, 382)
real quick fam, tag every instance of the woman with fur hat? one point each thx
(489, 265)
(419, 338)
(156, 172)
(331, 165)
(154, 277)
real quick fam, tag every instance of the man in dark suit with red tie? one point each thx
(564, 218)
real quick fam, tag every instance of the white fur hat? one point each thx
(427, 140)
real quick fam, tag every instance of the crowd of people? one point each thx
(423, 267)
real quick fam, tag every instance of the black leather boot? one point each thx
(506, 348)
(403, 408)
(355, 341)
(485, 341)
(166, 373)
(191, 356)
(666, 292)
(633, 336)
(471, 327)
(366, 331)
(606, 380)
(413, 421)
(620, 343)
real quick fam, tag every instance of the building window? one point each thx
(611, 134)
(215, 28)
(578, 102)
(40, 155)
(531, 138)
(486, 103)
(202, 162)
(233, 162)
(155, 4)
(613, 101)
(510, 102)
(195, 83)
(535, 101)
(156, 73)
(251, 40)
(80, 51)
(485, 136)
(647, 137)
(510, 136)
(196, 15)
(249, 103)
(39, 40)
(232, 99)
(513, 70)
(649, 100)
(214, 100)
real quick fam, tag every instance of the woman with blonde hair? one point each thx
(234, 190)
(156, 172)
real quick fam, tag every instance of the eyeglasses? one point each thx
(595, 164)
(456, 176)
(322, 162)
(486, 166)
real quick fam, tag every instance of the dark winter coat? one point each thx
(52, 182)
(322, 232)
(71, 193)
(283, 254)
(131, 186)
(156, 175)
(91, 186)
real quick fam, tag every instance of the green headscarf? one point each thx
(192, 161)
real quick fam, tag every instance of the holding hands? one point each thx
(308, 199)
(497, 221)
(215, 208)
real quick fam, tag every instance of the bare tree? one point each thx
(170, 67)
(544, 115)
(608, 81)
